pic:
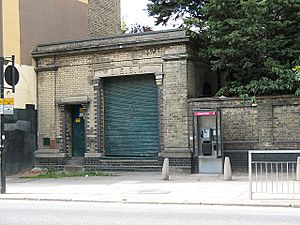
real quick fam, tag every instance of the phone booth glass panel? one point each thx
(207, 141)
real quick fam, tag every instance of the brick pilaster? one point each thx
(61, 137)
(159, 83)
(98, 114)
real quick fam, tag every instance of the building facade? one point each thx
(117, 98)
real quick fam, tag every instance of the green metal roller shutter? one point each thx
(131, 116)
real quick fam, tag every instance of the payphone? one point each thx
(207, 155)
(206, 136)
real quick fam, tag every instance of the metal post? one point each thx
(13, 73)
(2, 137)
(298, 169)
(250, 173)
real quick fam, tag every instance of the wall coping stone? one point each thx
(222, 99)
(49, 153)
(93, 155)
(46, 68)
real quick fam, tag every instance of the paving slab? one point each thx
(182, 188)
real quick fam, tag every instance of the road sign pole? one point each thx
(13, 73)
(3, 152)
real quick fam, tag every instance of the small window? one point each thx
(46, 141)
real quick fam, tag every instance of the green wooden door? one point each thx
(78, 136)
(131, 116)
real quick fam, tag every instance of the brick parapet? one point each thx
(114, 43)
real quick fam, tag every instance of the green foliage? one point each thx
(286, 83)
(137, 28)
(246, 99)
(255, 42)
(297, 72)
(164, 10)
(296, 69)
(134, 28)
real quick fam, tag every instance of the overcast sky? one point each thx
(134, 11)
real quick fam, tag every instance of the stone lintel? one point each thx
(128, 70)
(74, 100)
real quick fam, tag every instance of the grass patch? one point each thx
(62, 174)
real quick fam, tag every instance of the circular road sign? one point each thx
(8, 75)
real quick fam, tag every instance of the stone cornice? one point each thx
(112, 43)
(174, 57)
(46, 68)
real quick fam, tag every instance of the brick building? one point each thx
(116, 95)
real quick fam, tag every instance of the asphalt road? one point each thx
(75, 213)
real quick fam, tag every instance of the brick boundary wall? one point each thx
(271, 123)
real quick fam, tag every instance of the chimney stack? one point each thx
(104, 17)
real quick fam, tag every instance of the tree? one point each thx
(255, 42)
(138, 28)
(165, 10)
(134, 28)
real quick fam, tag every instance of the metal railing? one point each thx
(273, 176)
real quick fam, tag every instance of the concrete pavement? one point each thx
(182, 188)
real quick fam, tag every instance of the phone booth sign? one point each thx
(207, 141)
(204, 113)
